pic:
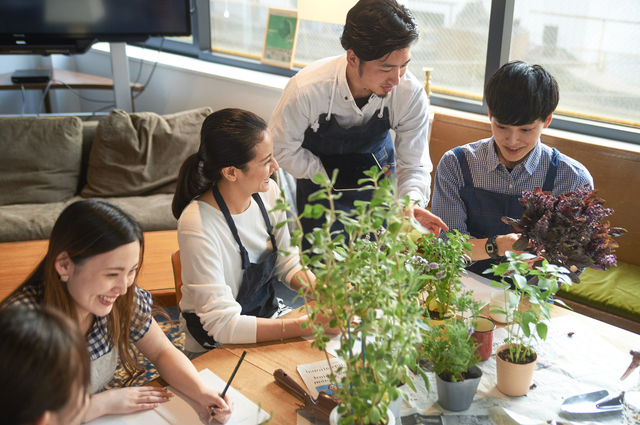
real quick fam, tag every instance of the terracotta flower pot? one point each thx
(514, 379)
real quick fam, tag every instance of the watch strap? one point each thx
(491, 248)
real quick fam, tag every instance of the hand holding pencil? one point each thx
(219, 411)
(222, 413)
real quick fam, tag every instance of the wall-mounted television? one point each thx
(72, 26)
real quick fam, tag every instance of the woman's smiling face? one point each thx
(514, 142)
(256, 175)
(95, 284)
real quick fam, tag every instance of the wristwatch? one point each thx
(491, 248)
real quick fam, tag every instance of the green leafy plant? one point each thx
(533, 308)
(567, 230)
(368, 289)
(442, 262)
(449, 347)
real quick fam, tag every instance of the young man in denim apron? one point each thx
(337, 113)
(479, 183)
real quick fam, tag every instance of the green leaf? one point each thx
(318, 211)
(282, 223)
(542, 330)
(321, 180)
(374, 415)
(317, 196)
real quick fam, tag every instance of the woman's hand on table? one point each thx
(324, 321)
(222, 412)
(126, 400)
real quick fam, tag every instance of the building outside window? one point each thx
(592, 47)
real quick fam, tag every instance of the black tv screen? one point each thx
(71, 26)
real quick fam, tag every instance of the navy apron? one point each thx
(256, 295)
(334, 144)
(485, 209)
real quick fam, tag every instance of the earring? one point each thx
(64, 278)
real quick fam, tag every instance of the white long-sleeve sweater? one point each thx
(212, 267)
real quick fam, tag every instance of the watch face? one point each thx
(491, 248)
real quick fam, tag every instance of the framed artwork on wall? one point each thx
(280, 38)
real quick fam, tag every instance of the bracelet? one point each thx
(283, 330)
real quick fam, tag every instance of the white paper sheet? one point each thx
(181, 410)
(316, 375)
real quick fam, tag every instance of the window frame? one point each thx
(498, 50)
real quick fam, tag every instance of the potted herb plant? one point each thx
(451, 351)
(516, 359)
(567, 230)
(366, 287)
(442, 262)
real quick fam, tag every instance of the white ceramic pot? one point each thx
(333, 417)
(506, 301)
(396, 405)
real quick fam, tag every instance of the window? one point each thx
(591, 47)
(238, 27)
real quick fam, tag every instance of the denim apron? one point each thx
(256, 295)
(485, 209)
(334, 144)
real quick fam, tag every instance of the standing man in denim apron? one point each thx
(478, 183)
(337, 112)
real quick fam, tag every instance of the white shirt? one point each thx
(212, 266)
(307, 95)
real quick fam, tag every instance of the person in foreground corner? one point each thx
(228, 240)
(44, 368)
(479, 183)
(337, 113)
(89, 273)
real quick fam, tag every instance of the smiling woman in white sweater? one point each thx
(228, 240)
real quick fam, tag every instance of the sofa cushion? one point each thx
(40, 160)
(140, 153)
(153, 212)
(26, 222)
(614, 291)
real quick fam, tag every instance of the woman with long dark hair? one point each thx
(228, 237)
(89, 272)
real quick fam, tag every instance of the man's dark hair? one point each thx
(519, 94)
(375, 28)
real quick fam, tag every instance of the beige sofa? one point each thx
(131, 160)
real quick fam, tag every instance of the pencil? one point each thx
(230, 379)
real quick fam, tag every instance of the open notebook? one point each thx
(181, 410)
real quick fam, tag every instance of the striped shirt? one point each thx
(490, 174)
(98, 343)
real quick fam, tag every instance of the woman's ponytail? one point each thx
(191, 183)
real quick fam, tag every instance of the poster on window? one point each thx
(280, 38)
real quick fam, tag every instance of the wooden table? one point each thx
(18, 259)
(64, 79)
(255, 378)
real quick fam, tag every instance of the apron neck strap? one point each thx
(265, 216)
(232, 226)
